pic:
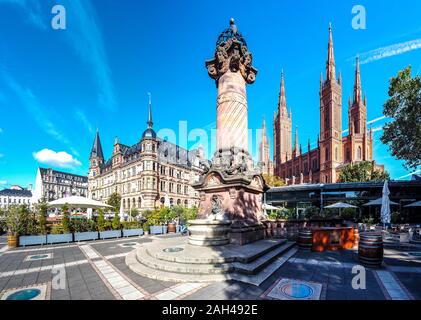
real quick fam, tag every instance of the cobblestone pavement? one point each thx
(97, 270)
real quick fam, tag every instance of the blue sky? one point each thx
(58, 86)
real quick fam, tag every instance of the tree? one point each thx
(42, 211)
(65, 220)
(273, 181)
(403, 134)
(101, 223)
(116, 222)
(363, 171)
(114, 200)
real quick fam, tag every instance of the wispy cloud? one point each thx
(80, 115)
(376, 120)
(390, 51)
(83, 35)
(3, 182)
(379, 128)
(59, 159)
(34, 14)
(35, 108)
(409, 174)
(86, 39)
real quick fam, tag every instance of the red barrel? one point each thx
(370, 250)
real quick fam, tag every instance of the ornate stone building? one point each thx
(333, 150)
(52, 185)
(264, 153)
(147, 175)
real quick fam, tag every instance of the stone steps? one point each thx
(231, 253)
(260, 263)
(134, 265)
(146, 259)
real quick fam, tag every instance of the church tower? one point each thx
(330, 119)
(264, 155)
(357, 119)
(282, 127)
(96, 158)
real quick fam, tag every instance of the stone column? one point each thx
(232, 112)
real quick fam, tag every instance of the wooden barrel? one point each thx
(356, 237)
(12, 241)
(171, 227)
(305, 239)
(370, 250)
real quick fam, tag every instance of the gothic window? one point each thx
(348, 154)
(326, 119)
(356, 126)
(305, 168)
(327, 154)
(336, 153)
(359, 153)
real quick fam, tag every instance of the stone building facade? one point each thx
(52, 185)
(15, 195)
(147, 175)
(323, 163)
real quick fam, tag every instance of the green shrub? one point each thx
(101, 223)
(57, 229)
(145, 226)
(131, 225)
(116, 222)
(19, 220)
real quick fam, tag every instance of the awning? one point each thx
(78, 202)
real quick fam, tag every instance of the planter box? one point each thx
(84, 236)
(132, 232)
(32, 240)
(158, 229)
(59, 238)
(110, 234)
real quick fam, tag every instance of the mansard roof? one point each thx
(16, 193)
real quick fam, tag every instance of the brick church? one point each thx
(334, 150)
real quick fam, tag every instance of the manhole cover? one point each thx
(129, 244)
(297, 290)
(39, 257)
(26, 294)
(173, 249)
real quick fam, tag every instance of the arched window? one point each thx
(178, 202)
(326, 119)
(327, 154)
(359, 153)
(186, 203)
(124, 203)
(336, 153)
(139, 202)
(348, 154)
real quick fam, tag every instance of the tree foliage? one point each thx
(273, 181)
(65, 220)
(42, 212)
(115, 200)
(403, 134)
(363, 171)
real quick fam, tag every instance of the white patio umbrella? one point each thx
(77, 202)
(340, 206)
(413, 205)
(385, 210)
(121, 212)
(266, 206)
(378, 202)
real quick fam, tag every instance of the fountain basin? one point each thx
(209, 233)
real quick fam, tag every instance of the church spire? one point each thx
(357, 84)
(150, 122)
(282, 104)
(330, 64)
(96, 147)
(296, 139)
